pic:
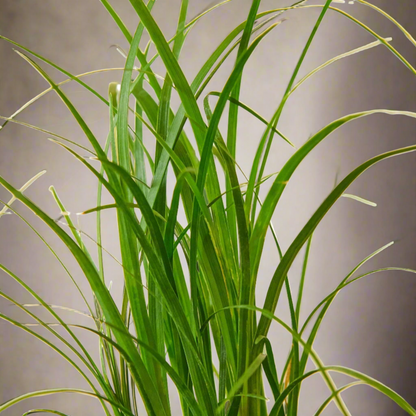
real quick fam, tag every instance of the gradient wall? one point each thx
(372, 327)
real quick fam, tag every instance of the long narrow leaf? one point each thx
(281, 271)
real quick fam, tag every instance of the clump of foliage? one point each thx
(190, 286)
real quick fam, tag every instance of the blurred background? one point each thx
(372, 323)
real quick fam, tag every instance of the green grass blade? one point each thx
(247, 288)
(221, 48)
(32, 180)
(189, 285)
(64, 308)
(281, 181)
(223, 375)
(233, 118)
(145, 384)
(47, 392)
(325, 369)
(138, 152)
(180, 384)
(89, 362)
(359, 199)
(209, 9)
(255, 172)
(315, 358)
(49, 133)
(44, 92)
(307, 45)
(219, 108)
(327, 303)
(66, 215)
(281, 271)
(99, 151)
(382, 40)
(180, 117)
(330, 398)
(245, 328)
(359, 265)
(277, 408)
(114, 369)
(34, 411)
(156, 310)
(180, 30)
(302, 279)
(235, 93)
(68, 74)
(173, 68)
(300, 5)
(253, 113)
(119, 22)
(53, 253)
(254, 365)
(269, 366)
(386, 15)
(110, 138)
(58, 350)
(140, 55)
(144, 323)
(128, 243)
(369, 381)
(335, 59)
(184, 33)
(163, 270)
(123, 105)
(278, 111)
(291, 370)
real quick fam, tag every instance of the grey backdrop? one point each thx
(372, 324)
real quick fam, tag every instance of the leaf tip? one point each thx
(259, 339)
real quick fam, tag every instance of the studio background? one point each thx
(372, 324)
